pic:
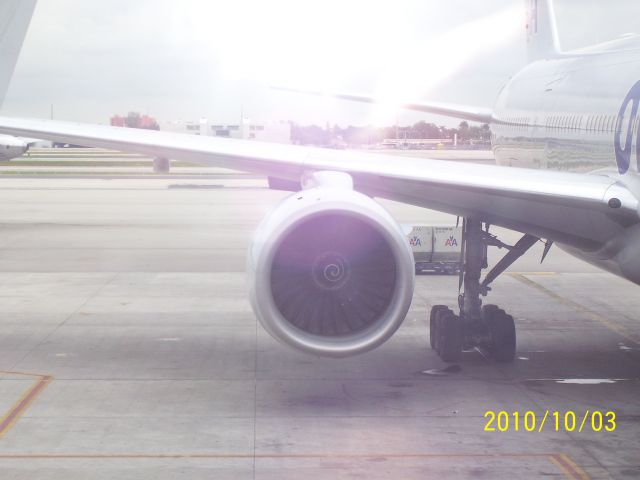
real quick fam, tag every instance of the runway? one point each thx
(129, 350)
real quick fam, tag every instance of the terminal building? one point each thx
(277, 132)
(419, 143)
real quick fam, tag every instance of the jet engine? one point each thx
(330, 270)
(12, 147)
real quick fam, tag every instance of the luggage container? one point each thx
(436, 248)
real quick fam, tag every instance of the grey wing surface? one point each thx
(559, 206)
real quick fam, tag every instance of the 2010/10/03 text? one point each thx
(569, 421)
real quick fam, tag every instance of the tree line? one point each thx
(369, 135)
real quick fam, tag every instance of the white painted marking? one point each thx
(455, 368)
(588, 381)
(434, 371)
(169, 339)
(581, 381)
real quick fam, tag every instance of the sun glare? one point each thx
(294, 43)
(331, 45)
(442, 57)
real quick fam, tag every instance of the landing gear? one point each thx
(435, 311)
(502, 330)
(449, 335)
(486, 327)
(161, 165)
(446, 333)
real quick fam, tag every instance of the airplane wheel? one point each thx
(161, 165)
(435, 311)
(488, 312)
(503, 333)
(449, 336)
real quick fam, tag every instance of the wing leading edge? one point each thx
(560, 206)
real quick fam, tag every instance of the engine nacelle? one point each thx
(12, 147)
(330, 272)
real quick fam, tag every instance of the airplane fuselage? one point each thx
(569, 112)
(579, 112)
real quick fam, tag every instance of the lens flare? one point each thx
(446, 55)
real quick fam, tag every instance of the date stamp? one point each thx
(550, 420)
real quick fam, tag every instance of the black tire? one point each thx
(503, 333)
(488, 312)
(449, 340)
(435, 311)
(161, 165)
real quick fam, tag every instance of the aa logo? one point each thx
(415, 242)
(451, 242)
(623, 137)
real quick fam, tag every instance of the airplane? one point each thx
(14, 20)
(330, 271)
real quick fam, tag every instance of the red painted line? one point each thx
(21, 405)
(575, 468)
(264, 455)
(561, 461)
(568, 467)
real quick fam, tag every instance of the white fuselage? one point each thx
(563, 113)
(579, 111)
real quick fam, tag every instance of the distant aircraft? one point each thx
(14, 20)
(330, 270)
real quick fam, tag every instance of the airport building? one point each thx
(418, 143)
(276, 132)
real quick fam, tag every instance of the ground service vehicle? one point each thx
(435, 248)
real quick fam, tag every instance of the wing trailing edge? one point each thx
(465, 112)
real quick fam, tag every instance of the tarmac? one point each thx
(129, 350)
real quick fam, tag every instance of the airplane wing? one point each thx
(29, 141)
(559, 206)
(466, 112)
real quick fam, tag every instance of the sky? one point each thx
(193, 59)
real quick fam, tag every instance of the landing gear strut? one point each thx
(486, 327)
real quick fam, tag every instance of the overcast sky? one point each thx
(188, 59)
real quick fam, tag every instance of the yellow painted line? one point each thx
(568, 467)
(581, 474)
(17, 410)
(561, 466)
(611, 325)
